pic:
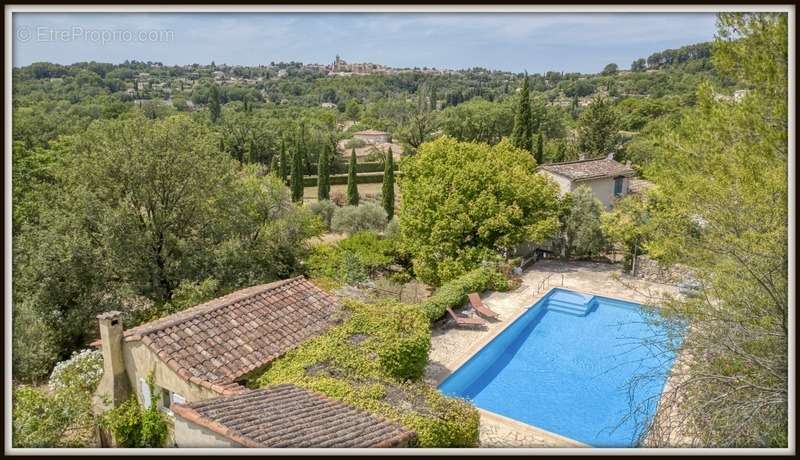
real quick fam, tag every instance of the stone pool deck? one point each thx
(451, 346)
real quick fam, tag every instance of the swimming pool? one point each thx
(566, 366)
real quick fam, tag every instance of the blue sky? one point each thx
(536, 42)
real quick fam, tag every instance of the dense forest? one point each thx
(149, 188)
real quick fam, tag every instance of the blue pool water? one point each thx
(565, 366)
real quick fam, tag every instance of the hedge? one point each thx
(454, 293)
(373, 360)
(341, 179)
(366, 167)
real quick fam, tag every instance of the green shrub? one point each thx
(81, 372)
(393, 228)
(341, 179)
(34, 344)
(351, 260)
(454, 293)
(62, 416)
(323, 209)
(405, 342)
(60, 419)
(342, 364)
(353, 219)
(154, 430)
(361, 167)
(125, 423)
(133, 426)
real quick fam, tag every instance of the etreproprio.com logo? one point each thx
(82, 34)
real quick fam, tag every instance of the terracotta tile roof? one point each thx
(588, 169)
(639, 185)
(217, 342)
(288, 416)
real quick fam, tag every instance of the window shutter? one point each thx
(145, 391)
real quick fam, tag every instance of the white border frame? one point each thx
(10, 9)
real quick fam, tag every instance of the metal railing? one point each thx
(545, 283)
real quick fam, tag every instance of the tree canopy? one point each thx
(720, 208)
(139, 209)
(598, 128)
(464, 201)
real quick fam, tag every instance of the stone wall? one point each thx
(650, 270)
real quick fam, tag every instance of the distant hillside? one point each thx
(676, 56)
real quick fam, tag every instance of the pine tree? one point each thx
(284, 165)
(323, 175)
(539, 155)
(598, 128)
(214, 106)
(387, 192)
(297, 173)
(522, 134)
(352, 186)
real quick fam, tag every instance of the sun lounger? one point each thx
(483, 310)
(462, 320)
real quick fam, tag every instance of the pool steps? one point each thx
(571, 303)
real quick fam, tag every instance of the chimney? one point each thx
(582, 156)
(114, 385)
(610, 156)
(628, 163)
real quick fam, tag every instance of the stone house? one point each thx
(210, 351)
(607, 178)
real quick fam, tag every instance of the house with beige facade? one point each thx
(201, 359)
(608, 179)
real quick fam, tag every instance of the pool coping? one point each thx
(480, 344)
(523, 427)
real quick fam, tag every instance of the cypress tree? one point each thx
(352, 186)
(214, 106)
(387, 192)
(284, 164)
(297, 174)
(539, 155)
(522, 134)
(324, 175)
(574, 107)
(274, 167)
